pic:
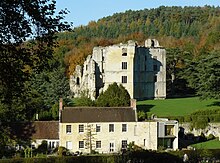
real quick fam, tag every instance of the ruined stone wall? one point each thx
(212, 128)
(140, 69)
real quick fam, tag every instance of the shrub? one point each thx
(201, 122)
(141, 115)
(42, 148)
(187, 118)
(61, 151)
(211, 137)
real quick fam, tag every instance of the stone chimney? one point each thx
(61, 105)
(60, 108)
(134, 107)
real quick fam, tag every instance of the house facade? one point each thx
(110, 130)
(140, 69)
(34, 133)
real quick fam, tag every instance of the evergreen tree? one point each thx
(204, 75)
(114, 96)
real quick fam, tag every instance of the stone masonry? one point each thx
(140, 69)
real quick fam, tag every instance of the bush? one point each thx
(61, 151)
(210, 137)
(42, 148)
(187, 118)
(201, 122)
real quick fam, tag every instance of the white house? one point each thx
(110, 129)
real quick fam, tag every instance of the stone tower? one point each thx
(140, 69)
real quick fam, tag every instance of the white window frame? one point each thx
(81, 145)
(124, 144)
(98, 144)
(124, 65)
(69, 145)
(124, 128)
(98, 128)
(111, 127)
(68, 129)
(81, 128)
(111, 146)
(124, 79)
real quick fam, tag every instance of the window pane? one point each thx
(111, 127)
(69, 145)
(124, 65)
(124, 144)
(98, 144)
(68, 128)
(81, 144)
(81, 128)
(124, 127)
(98, 128)
(124, 79)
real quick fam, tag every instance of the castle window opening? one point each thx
(155, 67)
(152, 43)
(77, 80)
(155, 78)
(124, 65)
(124, 52)
(124, 79)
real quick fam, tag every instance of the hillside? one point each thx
(189, 34)
(192, 29)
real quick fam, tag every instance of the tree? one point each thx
(89, 137)
(114, 96)
(175, 62)
(27, 38)
(204, 75)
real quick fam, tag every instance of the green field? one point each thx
(176, 106)
(211, 144)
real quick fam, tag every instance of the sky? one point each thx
(84, 11)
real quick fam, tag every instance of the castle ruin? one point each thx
(140, 69)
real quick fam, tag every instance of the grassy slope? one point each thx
(211, 144)
(176, 107)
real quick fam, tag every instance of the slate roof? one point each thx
(35, 130)
(97, 114)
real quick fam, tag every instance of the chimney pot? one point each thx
(61, 104)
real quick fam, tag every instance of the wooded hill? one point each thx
(192, 29)
(188, 34)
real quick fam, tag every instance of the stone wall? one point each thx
(212, 128)
(140, 69)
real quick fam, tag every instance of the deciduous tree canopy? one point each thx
(27, 37)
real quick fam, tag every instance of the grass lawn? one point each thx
(211, 144)
(176, 106)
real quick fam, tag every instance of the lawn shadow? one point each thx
(215, 103)
(144, 107)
